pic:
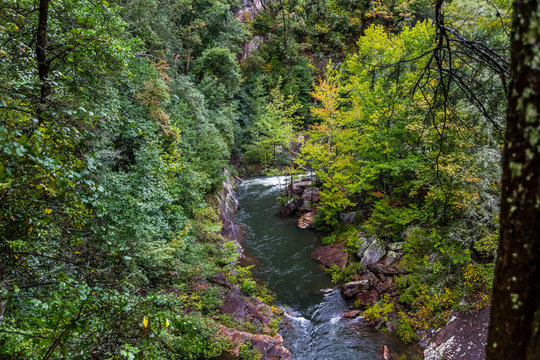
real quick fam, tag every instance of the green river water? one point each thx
(314, 328)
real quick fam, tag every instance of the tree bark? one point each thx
(515, 311)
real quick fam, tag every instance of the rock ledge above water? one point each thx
(331, 255)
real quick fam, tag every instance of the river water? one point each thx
(315, 329)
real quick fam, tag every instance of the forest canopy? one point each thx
(118, 119)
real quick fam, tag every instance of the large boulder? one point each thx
(306, 220)
(464, 337)
(367, 298)
(392, 257)
(375, 252)
(364, 243)
(298, 188)
(270, 347)
(353, 288)
(290, 207)
(331, 255)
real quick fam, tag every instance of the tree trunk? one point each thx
(515, 311)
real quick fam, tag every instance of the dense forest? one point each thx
(120, 121)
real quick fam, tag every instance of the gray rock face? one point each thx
(291, 206)
(233, 231)
(463, 338)
(364, 244)
(375, 252)
(392, 257)
(228, 206)
(227, 201)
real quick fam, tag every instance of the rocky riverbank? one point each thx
(304, 198)
(241, 308)
(465, 334)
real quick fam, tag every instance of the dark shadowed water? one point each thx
(315, 330)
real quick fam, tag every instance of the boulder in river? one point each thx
(331, 255)
(290, 207)
(387, 354)
(298, 187)
(375, 252)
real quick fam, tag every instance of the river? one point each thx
(315, 329)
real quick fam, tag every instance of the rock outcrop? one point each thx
(305, 198)
(364, 244)
(331, 255)
(464, 337)
(228, 207)
(306, 220)
(239, 306)
(270, 347)
(374, 252)
(290, 207)
(392, 257)
(247, 309)
(298, 188)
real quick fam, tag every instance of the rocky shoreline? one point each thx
(462, 338)
(237, 304)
